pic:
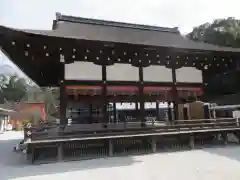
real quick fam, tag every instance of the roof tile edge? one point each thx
(73, 19)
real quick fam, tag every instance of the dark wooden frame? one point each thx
(26, 45)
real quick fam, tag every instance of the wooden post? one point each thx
(104, 94)
(157, 111)
(90, 113)
(110, 148)
(185, 112)
(63, 95)
(218, 136)
(114, 112)
(169, 112)
(154, 145)
(60, 152)
(174, 89)
(191, 142)
(30, 153)
(225, 138)
(141, 96)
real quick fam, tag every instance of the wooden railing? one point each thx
(99, 129)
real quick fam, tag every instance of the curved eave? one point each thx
(45, 70)
(176, 42)
(31, 66)
(17, 65)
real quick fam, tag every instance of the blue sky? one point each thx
(185, 14)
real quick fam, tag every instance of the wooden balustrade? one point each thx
(130, 128)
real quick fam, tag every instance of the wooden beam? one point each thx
(63, 95)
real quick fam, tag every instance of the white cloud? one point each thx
(184, 14)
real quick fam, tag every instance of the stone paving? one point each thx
(206, 164)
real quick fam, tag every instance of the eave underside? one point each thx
(38, 56)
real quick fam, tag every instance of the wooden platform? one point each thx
(125, 130)
(116, 136)
(86, 141)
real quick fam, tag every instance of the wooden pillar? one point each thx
(169, 112)
(63, 94)
(31, 153)
(137, 105)
(110, 148)
(60, 152)
(174, 90)
(154, 144)
(225, 137)
(90, 113)
(114, 112)
(136, 109)
(191, 141)
(206, 111)
(185, 112)
(141, 96)
(104, 94)
(157, 111)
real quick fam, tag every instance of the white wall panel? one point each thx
(122, 72)
(157, 74)
(189, 75)
(83, 71)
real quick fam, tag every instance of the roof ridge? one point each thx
(74, 19)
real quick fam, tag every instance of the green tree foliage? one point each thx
(51, 96)
(226, 83)
(12, 88)
(223, 32)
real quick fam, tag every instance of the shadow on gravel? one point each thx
(13, 165)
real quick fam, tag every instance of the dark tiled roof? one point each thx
(116, 32)
(73, 19)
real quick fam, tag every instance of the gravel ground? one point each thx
(205, 164)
